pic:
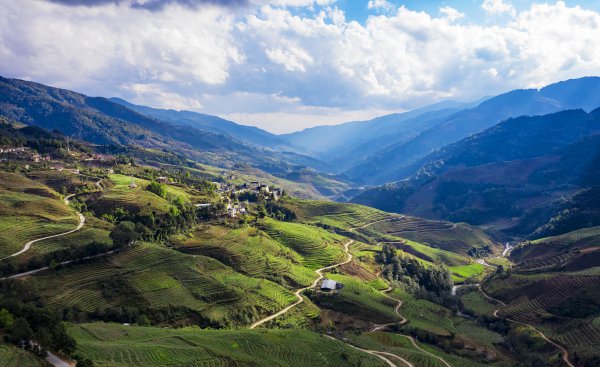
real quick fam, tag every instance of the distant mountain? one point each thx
(394, 162)
(101, 121)
(214, 124)
(514, 176)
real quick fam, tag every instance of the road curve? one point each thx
(403, 321)
(375, 353)
(67, 200)
(28, 244)
(563, 350)
(298, 292)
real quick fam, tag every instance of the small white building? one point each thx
(328, 285)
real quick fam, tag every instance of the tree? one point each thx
(6, 319)
(124, 233)
(157, 188)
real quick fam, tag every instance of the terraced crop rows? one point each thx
(318, 247)
(163, 277)
(584, 336)
(11, 356)
(135, 346)
(250, 252)
(556, 290)
(546, 263)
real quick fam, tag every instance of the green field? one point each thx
(317, 247)
(339, 215)
(160, 278)
(360, 299)
(11, 356)
(29, 211)
(457, 238)
(118, 194)
(249, 251)
(116, 345)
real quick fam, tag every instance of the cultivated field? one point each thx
(116, 345)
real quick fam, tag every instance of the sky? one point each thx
(285, 65)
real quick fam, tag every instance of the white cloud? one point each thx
(451, 14)
(498, 7)
(381, 5)
(275, 61)
(292, 58)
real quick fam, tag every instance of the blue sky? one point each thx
(284, 65)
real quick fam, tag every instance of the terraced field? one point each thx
(249, 251)
(161, 278)
(95, 230)
(402, 346)
(554, 247)
(457, 238)
(120, 195)
(361, 300)
(63, 180)
(11, 356)
(317, 247)
(116, 345)
(536, 299)
(338, 215)
(30, 210)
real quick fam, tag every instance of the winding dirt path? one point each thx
(67, 200)
(563, 350)
(403, 321)
(375, 353)
(298, 292)
(28, 244)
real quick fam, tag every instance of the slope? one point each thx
(394, 163)
(215, 124)
(515, 169)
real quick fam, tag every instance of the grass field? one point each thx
(474, 302)
(339, 215)
(11, 356)
(30, 210)
(119, 195)
(116, 345)
(161, 278)
(360, 299)
(317, 247)
(249, 251)
(457, 238)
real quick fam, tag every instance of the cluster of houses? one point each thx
(254, 186)
(21, 153)
(12, 150)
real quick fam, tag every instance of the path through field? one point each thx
(298, 292)
(67, 200)
(320, 276)
(564, 352)
(28, 244)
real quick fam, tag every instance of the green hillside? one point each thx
(117, 345)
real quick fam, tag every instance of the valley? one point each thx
(149, 247)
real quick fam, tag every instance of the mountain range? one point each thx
(511, 162)
(515, 176)
(102, 121)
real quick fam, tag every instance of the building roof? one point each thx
(328, 284)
